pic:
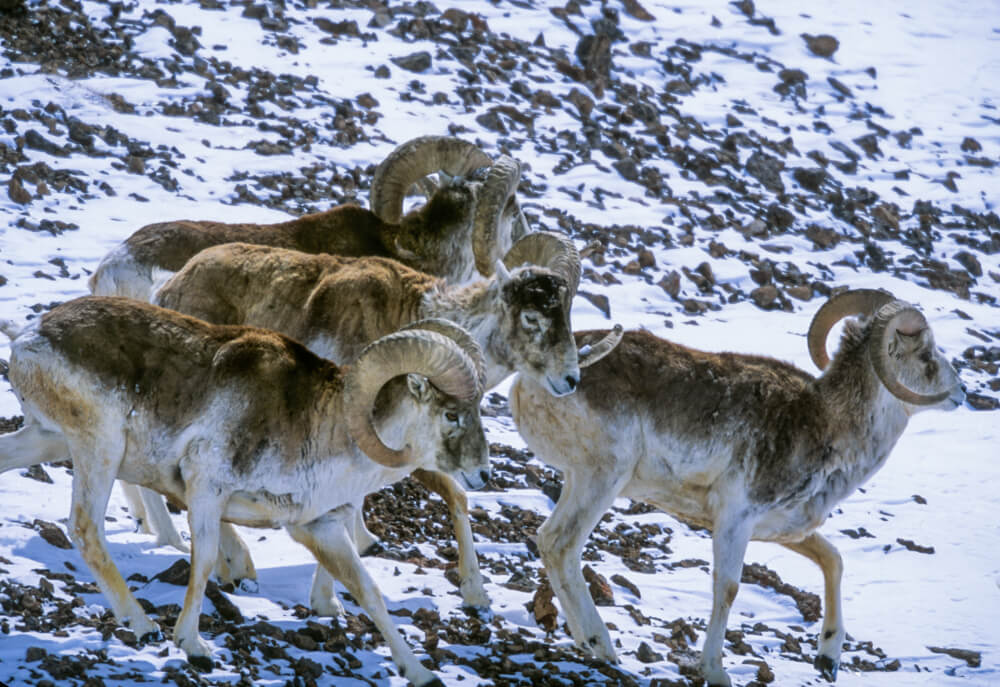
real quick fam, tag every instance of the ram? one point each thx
(746, 446)
(336, 306)
(240, 425)
(464, 227)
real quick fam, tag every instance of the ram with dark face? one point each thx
(336, 306)
(239, 425)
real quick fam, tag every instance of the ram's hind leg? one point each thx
(584, 500)
(93, 479)
(470, 578)
(31, 445)
(328, 540)
(822, 553)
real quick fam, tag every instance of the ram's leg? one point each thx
(583, 501)
(729, 544)
(323, 597)
(817, 549)
(31, 445)
(206, 503)
(470, 578)
(92, 483)
(158, 520)
(365, 542)
(327, 538)
(235, 564)
(137, 507)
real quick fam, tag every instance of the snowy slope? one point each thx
(689, 148)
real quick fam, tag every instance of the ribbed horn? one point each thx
(462, 337)
(421, 352)
(886, 322)
(414, 160)
(497, 189)
(547, 249)
(591, 353)
(856, 302)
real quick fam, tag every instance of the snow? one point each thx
(938, 68)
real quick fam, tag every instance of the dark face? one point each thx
(537, 329)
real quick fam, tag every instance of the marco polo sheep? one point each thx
(336, 305)
(240, 425)
(464, 227)
(746, 446)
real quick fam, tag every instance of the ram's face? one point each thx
(536, 325)
(449, 432)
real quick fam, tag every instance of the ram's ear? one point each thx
(418, 386)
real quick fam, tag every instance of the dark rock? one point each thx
(766, 297)
(35, 140)
(623, 581)
(416, 62)
(637, 11)
(347, 27)
(767, 170)
(599, 300)
(37, 472)
(973, 658)
(971, 145)
(970, 262)
(542, 608)
(646, 654)
(178, 573)
(823, 45)
(809, 178)
(16, 191)
(600, 590)
(34, 654)
(226, 608)
(671, 283)
(52, 533)
(910, 545)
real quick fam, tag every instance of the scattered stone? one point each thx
(623, 581)
(178, 573)
(973, 658)
(52, 533)
(910, 545)
(646, 654)
(600, 590)
(823, 45)
(415, 62)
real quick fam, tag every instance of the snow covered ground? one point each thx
(923, 79)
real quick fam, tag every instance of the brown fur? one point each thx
(163, 362)
(698, 394)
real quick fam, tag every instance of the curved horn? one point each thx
(422, 352)
(462, 337)
(500, 184)
(886, 322)
(547, 249)
(591, 353)
(855, 302)
(412, 161)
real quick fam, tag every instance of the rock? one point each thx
(52, 533)
(823, 45)
(971, 145)
(809, 178)
(33, 139)
(35, 654)
(226, 608)
(637, 11)
(973, 658)
(600, 590)
(37, 472)
(823, 237)
(623, 581)
(970, 262)
(648, 260)
(767, 170)
(980, 402)
(766, 297)
(16, 191)
(599, 300)
(177, 574)
(646, 654)
(671, 283)
(910, 545)
(347, 27)
(416, 62)
(542, 608)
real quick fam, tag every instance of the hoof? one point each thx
(203, 664)
(248, 586)
(827, 667)
(154, 637)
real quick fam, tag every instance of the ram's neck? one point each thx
(478, 308)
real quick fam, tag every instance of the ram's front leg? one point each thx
(206, 503)
(471, 580)
(730, 537)
(328, 540)
(817, 549)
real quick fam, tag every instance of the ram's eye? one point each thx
(451, 416)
